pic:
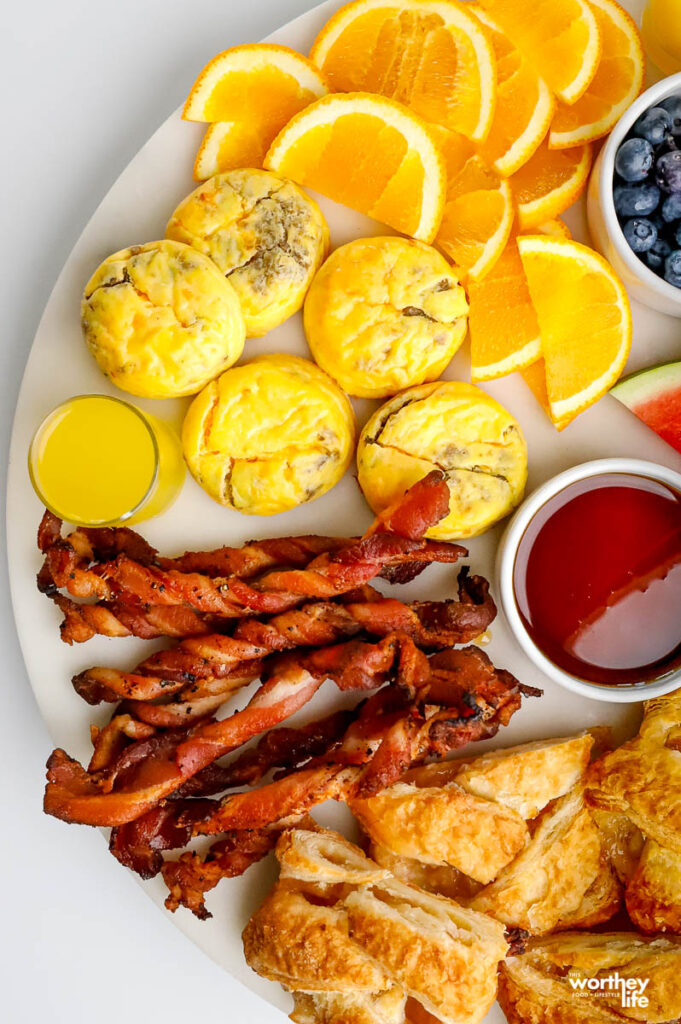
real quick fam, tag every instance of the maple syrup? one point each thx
(597, 579)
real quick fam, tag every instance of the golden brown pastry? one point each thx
(444, 825)
(622, 841)
(549, 879)
(442, 954)
(349, 1007)
(549, 984)
(351, 941)
(466, 816)
(642, 778)
(528, 777)
(599, 903)
(440, 878)
(653, 894)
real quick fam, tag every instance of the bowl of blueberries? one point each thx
(634, 199)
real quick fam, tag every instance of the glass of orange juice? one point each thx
(100, 461)
(661, 30)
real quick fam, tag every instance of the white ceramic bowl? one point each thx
(606, 232)
(506, 556)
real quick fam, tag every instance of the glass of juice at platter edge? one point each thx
(96, 460)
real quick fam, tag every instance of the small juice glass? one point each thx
(661, 31)
(96, 460)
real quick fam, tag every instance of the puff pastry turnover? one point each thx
(469, 814)
(552, 875)
(549, 984)
(353, 942)
(642, 778)
(653, 895)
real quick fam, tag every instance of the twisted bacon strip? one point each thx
(430, 624)
(394, 539)
(138, 844)
(374, 753)
(109, 799)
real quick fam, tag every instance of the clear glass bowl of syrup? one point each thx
(590, 579)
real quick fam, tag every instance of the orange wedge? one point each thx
(228, 145)
(525, 105)
(502, 322)
(549, 182)
(432, 55)
(584, 321)
(559, 37)
(555, 227)
(251, 92)
(614, 87)
(258, 82)
(535, 378)
(478, 214)
(371, 154)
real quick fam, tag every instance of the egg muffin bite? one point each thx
(269, 435)
(383, 314)
(264, 233)
(161, 320)
(451, 426)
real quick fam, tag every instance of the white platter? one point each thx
(135, 210)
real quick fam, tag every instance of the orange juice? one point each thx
(661, 30)
(98, 461)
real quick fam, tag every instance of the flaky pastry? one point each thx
(444, 825)
(653, 894)
(351, 941)
(549, 879)
(642, 778)
(548, 985)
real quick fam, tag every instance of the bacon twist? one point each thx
(430, 624)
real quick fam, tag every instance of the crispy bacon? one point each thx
(191, 876)
(390, 743)
(293, 680)
(395, 538)
(431, 624)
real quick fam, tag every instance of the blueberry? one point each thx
(657, 254)
(673, 107)
(668, 171)
(633, 200)
(654, 125)
(672, 268)
(671, 208)
(634, 159)
(677, 235)
(640, 234)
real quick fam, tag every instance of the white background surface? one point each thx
(84, 84)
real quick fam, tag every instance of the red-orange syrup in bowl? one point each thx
(597, 579)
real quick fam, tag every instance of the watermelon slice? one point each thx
(654, 396)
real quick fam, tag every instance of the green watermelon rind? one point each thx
(647, 385)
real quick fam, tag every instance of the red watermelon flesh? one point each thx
(654, 396)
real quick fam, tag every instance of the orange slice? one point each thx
(478, 214)
(258, 83)
(559, 37)
(614, 87)
(525, 105)
(502, 322)
(584, 321)
(535, 378)
(228, 145)
(432, 55)
(556, 227)
(371, 154)
(251, 92)
(549, 182)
